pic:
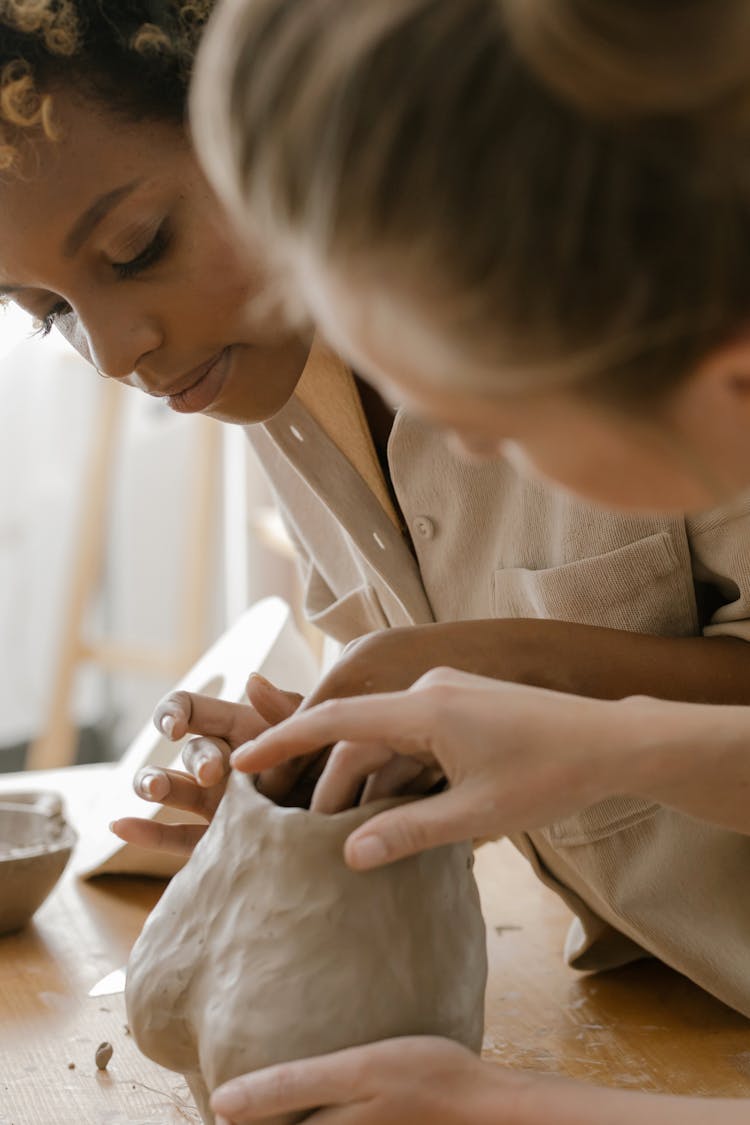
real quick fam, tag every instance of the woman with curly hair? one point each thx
(92, 102)
(110, 231)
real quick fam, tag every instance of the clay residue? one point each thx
(13, 851)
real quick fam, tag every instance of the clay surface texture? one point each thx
(266, 947)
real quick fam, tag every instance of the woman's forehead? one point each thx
(48, 205)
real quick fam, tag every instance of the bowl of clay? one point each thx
(35, 845)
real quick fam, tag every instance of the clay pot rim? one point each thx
(330, 818)
(62, 836)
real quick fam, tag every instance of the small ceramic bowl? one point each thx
(35, 845)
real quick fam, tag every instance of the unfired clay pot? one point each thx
(266, 947)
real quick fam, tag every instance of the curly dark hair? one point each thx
(135, 57)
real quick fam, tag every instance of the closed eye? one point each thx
(155, 250)
(124, 270)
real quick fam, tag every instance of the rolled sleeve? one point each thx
(720, 547)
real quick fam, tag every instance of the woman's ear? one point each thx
(714, 403)
(710, 412)
(725, 375)
(738, 387)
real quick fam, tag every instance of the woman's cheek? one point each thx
(71, 329)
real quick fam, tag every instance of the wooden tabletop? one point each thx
(643, 1027)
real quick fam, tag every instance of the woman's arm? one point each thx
(560, 655)
(422, 1080)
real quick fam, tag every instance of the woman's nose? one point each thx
(118, 345)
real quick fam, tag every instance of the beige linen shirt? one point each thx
(641, 879)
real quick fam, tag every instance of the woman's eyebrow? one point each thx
(85, 226)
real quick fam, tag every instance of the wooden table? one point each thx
(643, 1027)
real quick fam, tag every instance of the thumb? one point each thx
(272, 703)
(409, 829)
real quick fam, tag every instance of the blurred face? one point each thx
(113, 235)
(691, 453)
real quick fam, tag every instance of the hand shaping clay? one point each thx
(266, 947)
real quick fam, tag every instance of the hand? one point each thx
(515, 758)
(220, 727)
(381, 662)
(428, 1081)
(387, 661)
(425, 1081)
(414, 1081)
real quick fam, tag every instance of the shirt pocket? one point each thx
(643, 587)
(346, 617)
(600, 822)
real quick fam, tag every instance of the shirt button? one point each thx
(424, 527)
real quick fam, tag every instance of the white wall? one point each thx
(50, 403)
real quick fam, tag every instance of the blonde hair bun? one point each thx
(639, 58)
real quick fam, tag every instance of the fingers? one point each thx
(411, 828)
(395, 718)
(177, 791)
(177, 839)
(185, 712)
(207, 759)
(272, 703)
(292, 783)
(345, 773)
(399, 777)
(327, 1080)
(347, 1078)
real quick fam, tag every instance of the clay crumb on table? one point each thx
(104, 1053)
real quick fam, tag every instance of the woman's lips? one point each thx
(206, 390)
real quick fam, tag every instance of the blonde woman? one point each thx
(529, 221)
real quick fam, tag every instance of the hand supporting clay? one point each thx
(266, 947)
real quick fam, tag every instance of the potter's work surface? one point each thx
(643, 1026)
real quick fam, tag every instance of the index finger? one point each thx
(398, 718)
(329, 1080)
(186, 712)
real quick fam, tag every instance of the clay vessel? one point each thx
(266, 947)
(35, 845)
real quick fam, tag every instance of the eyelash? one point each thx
(147, 258)
(48, 322)
(124, 271)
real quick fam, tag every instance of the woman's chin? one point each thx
(260, 385)
(235, 410)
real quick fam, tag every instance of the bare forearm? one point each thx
(574, 1104)
(612, 664)
(691, 757)
(563, 656)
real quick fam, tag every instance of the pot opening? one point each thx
(301, 793)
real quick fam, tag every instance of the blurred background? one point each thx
(130, 537)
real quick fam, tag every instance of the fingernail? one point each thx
(201, 762)
(369, 851)
(261, 680)
(167, 724)
(229, 1100)
(153, 785)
